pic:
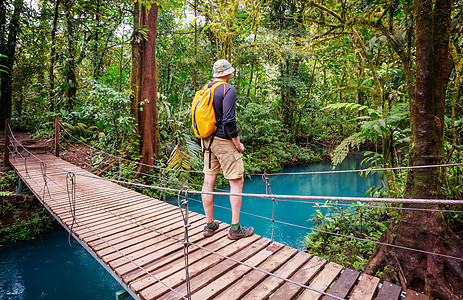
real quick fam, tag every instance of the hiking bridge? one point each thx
(156, 250)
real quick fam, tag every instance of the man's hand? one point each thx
(240, 147)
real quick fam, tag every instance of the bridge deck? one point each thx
(119, 227)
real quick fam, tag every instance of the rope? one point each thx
(43, 169)
(321, 198)
(128, 160)
(163, 177)
(267, 190)
(185, 241)
(71, 190)
(345, 236)
(374, 242)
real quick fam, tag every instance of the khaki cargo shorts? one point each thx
(225, 158)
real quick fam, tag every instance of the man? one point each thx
(223, 153)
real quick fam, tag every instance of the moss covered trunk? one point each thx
(437, 276)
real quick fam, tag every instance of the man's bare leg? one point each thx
(208, 200)
(236, 186)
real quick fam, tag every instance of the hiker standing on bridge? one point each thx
(223, 154)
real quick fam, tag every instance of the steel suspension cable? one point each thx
(458, 202)
(239, 262)
(291, 197)
(112, 247)
(453, 202)
(142, 173)
(290, 173)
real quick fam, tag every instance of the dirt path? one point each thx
(77, 155)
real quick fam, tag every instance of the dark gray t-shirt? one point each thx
(225, 110)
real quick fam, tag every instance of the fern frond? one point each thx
(342, 150)
(351, 106)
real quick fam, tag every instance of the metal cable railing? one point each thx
(279, 173)
(76, 219)
(179, 240)
(274, 198)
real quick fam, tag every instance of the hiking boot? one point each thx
(208, 231)
(241, 232)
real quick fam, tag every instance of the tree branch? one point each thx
(326, 9)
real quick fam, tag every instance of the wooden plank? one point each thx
(100, 216)
(205, 270)
(249, 281)
(122, 237)
(412, 295)
(132, 213)
(147, 242)
(175, 262)
(149, 254)
(321, 282)
(343, 285)
(141, 236)
(304, 275)
(269, 285)
(116, 222)
(366, 288)
(91, 236)
(220, 283)
(102, 206)
(389, 291)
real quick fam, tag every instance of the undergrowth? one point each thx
(347, 224)
(22, 217)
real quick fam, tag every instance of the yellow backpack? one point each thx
(202, 111)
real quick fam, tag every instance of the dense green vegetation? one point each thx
(22, 217)
(314, 80)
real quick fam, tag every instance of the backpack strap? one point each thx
(208, 148)
(213, 134)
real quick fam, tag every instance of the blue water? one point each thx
(300, 214)
(49, 268)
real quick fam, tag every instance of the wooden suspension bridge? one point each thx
(138, 240)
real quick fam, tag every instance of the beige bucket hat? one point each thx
(222, 67)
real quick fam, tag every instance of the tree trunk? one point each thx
(51, 75)
(437, 276)
(195, 8)
(134, 75)
(70, 65)
(8, 48)
(147, 89)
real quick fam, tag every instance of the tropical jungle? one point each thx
(315, 80)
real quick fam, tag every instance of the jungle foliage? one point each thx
(315, 79)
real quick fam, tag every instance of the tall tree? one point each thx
(51, 74)
(8, 39)
(144, 81)
(438, 276)
(70, 64)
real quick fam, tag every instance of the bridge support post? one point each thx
(122, 295)
(6, 153)
(20, 186)
(57, 136)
